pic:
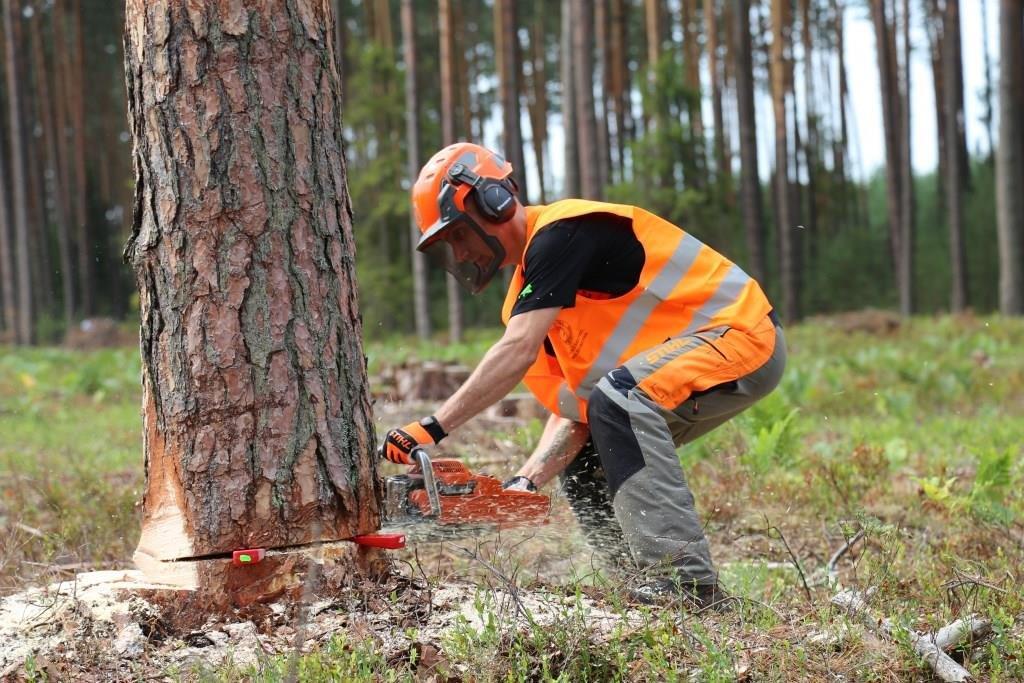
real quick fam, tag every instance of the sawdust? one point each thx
(98, 625)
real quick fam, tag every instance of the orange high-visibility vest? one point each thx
(685, 287)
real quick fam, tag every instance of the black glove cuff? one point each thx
(433, 428)
(530, 486)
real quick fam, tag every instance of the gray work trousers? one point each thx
(636, 439)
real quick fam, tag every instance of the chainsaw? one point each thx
(442, 499)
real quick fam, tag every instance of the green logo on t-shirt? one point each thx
(526, 291)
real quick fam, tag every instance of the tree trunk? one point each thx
(583, 74)
(722, 171)
(569, 121)
(538, 97)
(61, 69)
(256, 412)
(784, 222)
(886, 55)
(987, 95)
(8, 277)
(508, 87)
(447, 55)
(86, 248)
(601, 33)
(691, 74)
(906, 260)
(956, 162)
(810, 146)
(19, 187)
(421, 302)
(1010, 158)
(617, 79)
(933, 24)
(750, 183)
(843, 142)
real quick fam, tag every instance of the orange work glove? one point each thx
(399, 443)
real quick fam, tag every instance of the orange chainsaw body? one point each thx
(468, 498)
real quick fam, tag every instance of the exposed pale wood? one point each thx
(969, 628)
(944, 667)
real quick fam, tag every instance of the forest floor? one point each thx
(912, 436)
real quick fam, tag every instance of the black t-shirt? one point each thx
(596, 253)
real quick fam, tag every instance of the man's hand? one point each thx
(399, 443)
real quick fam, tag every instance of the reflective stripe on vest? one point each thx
(684, 287)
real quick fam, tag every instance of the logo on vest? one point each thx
(570, 340)
(526, 291)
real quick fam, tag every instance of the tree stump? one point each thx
(257, 423)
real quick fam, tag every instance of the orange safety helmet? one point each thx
(449, 233)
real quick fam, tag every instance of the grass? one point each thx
(916, 437)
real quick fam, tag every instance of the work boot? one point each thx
(696, 597)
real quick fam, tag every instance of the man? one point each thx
(634, 334)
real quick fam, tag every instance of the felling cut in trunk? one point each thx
(256, 405)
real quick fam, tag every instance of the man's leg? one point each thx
(586, 489)
(636, 439)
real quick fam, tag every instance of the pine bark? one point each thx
(586, 125)
(86, 248)
(1010, 158)
(887, 70)
(447, 55)
(51, 191)
(421, 304)
(257, 423)
(956, 162)
(907, 207)
(25, 318)
(784, 222)
(750, 183)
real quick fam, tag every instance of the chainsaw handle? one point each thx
(419, 457)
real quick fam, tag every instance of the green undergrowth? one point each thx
(914, 437)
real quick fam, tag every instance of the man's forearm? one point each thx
(501, 369)
(559, 445)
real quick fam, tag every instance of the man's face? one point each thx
(511, 234)
(467, 246)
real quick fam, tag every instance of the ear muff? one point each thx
(495, 198)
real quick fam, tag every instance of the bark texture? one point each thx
(1010, 158)
(19, 185)
(956, 161)
(256, 406)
